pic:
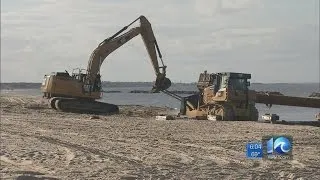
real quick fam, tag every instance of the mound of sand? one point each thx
(40, 143)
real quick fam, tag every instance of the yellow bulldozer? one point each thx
(77, 92)
(226, 96)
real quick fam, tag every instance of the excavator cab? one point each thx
(78, 74)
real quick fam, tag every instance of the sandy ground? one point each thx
(40, 143)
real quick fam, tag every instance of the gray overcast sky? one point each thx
(275, 40)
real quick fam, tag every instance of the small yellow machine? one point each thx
(78, 92)
(226, 96)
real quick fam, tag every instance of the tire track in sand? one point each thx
(85, 149)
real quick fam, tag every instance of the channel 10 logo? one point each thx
(278, 147)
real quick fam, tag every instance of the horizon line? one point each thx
(182, 82)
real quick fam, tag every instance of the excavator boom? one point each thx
(114, 42)
(104, 49)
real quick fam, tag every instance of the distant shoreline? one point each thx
(28, 85)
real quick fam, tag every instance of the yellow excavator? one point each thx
(78, 92)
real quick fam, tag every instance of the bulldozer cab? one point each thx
(234, 81)
(228, 80)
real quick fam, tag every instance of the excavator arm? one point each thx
(112, 43)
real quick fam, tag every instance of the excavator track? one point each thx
(52, 103)
(83, 106)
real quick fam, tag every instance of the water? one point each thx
(160, 99)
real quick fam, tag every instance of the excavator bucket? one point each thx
(161, 83)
